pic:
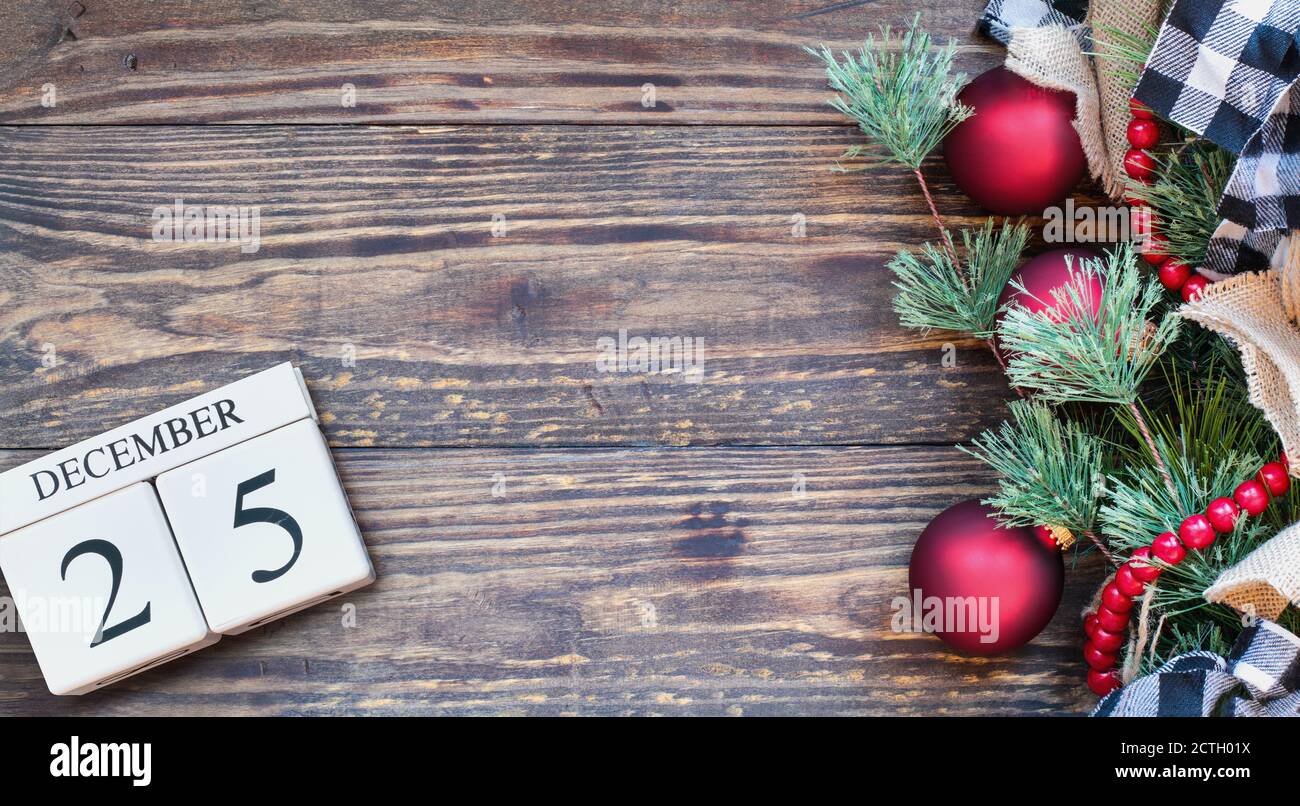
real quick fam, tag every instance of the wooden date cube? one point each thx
(102, 591)
(265, 528)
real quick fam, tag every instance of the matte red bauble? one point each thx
(1019, 153)
(965, 552)
(1052, 269)
(1055, 268)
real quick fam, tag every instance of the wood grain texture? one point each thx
(442, 61)
(653, 581)
(381, 238)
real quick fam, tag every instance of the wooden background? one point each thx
(645, 552)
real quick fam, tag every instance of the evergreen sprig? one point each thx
(900, 91)
(1049, 469)
(1070, 353)
(1185, 197)
(935, 292)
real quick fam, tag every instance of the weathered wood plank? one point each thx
(669, 581)
(441, 61)
(379, 240)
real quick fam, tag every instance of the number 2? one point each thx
(279, 517)
(110, 553)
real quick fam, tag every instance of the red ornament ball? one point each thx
(1055, 268)
(1173, 274)
(1102, 683)
(1222, 513)
(1096, 658)
(1139, 165)
(1196, 532)
(1273, 476)
(1194, 286)
(1143, 568)
(1019, 153)
(1107, 641)
(1252, 496)
(1153, 246)
(1140, 110)
(1143, 133)
(1111, 621)
(1168, 548)
(1127, 582)
(1114, 599)
(965, 552)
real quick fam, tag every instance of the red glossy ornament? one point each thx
(1273, 476)
(1053, 269)
(1193, 287)
(1222, 514)
(1196, 532)
(1143, 133)
(1090, 625)
(1097, 659)
(1139, 164)
(1045, 537)
(1173, 274)
(965, 552)
(1141, 220)
(1153, 246)
(1143, 568)
(1252, 496)
(1128, 584)
(1168, 548)
(1107, 641)
(1019, 153)
(1114, 599)
(1140, 110)
(1111, 621)
(1103, 683)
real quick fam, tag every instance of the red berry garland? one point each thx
(1144, 134)
(1105, 628)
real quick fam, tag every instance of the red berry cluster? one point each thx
(1143, 134)
(1106, 627)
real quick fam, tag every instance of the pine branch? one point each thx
(1070, 353)
(1212, 440)
(901, 92)
(1049, 469)
(934, 291)
(1185, 197)
(1123, 53)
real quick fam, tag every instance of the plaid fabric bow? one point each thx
(1230, 70)
(1264, 665)
(1000, 16)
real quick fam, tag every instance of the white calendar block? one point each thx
(102, 592)
(265, 528)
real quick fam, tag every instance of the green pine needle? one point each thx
(1123, 53)
(1070, 354)
(901, 92)
(1050, 470)
(933, 292)
(1185, 197)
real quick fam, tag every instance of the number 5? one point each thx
(279, 517)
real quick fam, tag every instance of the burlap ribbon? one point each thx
(1258, 313)
(1050, 55)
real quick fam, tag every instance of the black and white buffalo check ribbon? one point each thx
(1260, 677)
(1230, 70)
(1000, 16)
